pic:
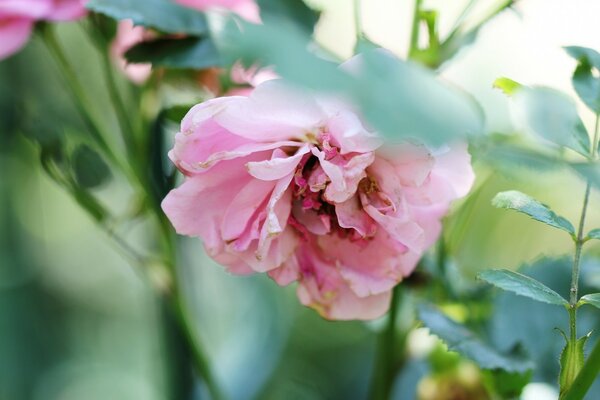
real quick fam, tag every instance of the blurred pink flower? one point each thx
(17, 18)
(128, 36)
(248, 78)
(247, 9)
(66, 10)
(293, 184)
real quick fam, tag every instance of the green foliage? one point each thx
(522, 285)
(462, 340)
(586, 377)
(585, 83)
(571, 362)
(89, 168)
(163, 15)
(294, 11)
(509, 385)
(594, 234)
(552, 115)
(191, 52)
(507, 85)
(400, 99)
(522, 203)
(591, 299)
(588, 171)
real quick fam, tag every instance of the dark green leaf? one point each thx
(591, 299)
(509, 385)
(571, 362)
(89, 203)
(585, 83)
(164, 15)
(552, 115)
(89, 168)
(462, 340)
(192, 52)
(295, 11)
(522, 285)
(508, 86)
(176, 113)
(522, 203)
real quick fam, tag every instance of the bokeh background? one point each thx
(76, 321)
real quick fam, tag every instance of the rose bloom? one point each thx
(18, 17)
(295, 185)
(247, 9)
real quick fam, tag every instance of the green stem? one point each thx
(182, 314)
(120, 109)
(385, 362)
(77, 92)
(578, 247)
(358, 19)
(415, 29)
(586, 376)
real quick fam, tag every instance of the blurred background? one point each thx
(76, 322)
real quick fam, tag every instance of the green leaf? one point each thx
(571, 362)
(192, 52)
(591, 299)
(522, 285)
(508, 86)
(585, 83)
(552, 115)
(164, 15)
(509, 385)
(588, 171)
(594, 234)
(522, 203)
(89, 168)
(400, 99)
(463, 341)
(294, 11)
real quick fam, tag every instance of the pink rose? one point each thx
(247, 9)
(293, 184)
(17, 18)
(128, 36)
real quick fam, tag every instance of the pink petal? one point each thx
(243, 206)
(14, 34)
(273, 112)
(351, 215)
(349, 132)
(287, 273)
(67, 10)
(26, 9)
(277, 167)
